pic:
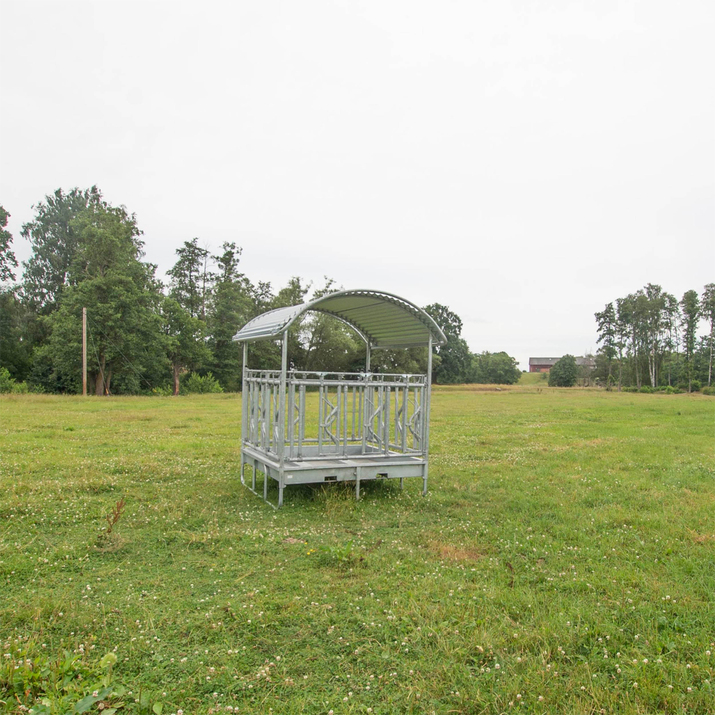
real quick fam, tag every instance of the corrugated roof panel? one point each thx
(383, 319)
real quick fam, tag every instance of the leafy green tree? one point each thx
(690, 305)
(624, 332)
(564, 372)
(329, 343)
(232, 305)
(266, 354)
(455, 358)
(15, 348)
(54, 237)
(185, 346)
(607, 328)
(494, 369)
(122, 299)
(191, 279)
(707, 303)
(450, 322)
(14, 352)
(7, 257)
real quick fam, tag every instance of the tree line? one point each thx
(146, 336)
(649, 339)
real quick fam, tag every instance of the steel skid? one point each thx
(303, 427)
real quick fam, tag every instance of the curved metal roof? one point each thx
(382, 319)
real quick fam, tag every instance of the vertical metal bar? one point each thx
(352, 432)
(255, 393)
(338, 417)
(360, 405)
(427, 403)
(281, 417)
(367, 357)
(265, 415)
(386, 419)
(244, 409)
(270, 415)
(397, 415)
(290, 415)
(320, 416)
(405, 410)
(346, 397)
(364, 405)
(301, 424)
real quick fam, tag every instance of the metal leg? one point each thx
(265, 483)
(253, 475)
(402, 483)
(280, 494)
(357, 488)
(424, 481)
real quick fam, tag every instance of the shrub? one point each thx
(708, 391)
(564, 372)
(8, 384)
(166, 391)
(695, 385)
(646, 388)
(200, 384)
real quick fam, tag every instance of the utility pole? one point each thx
(84, 352)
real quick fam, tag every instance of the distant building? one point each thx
(544, 364)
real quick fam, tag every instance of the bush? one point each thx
(646, 388)
(695, 385)
(166, 391)
(564, 372)
(709, 391)
(630, 388)
(200, 384)
(8, 384)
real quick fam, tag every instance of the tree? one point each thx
(494, 369)
(624, 312)
(190, 278)
(232, 305)
(329, 343)
(690, 305)
(7, 257)
(454, 357)
(122, 299)
(707, 303)
(54, 237)
(606, 324)
(564, 372)
(450, 322)
(185, 347)
(15, 347)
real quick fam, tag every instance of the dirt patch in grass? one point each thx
(700, 538)
(454, 553)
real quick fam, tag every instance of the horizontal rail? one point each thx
(350, 414)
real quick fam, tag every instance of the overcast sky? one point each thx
(522, 162)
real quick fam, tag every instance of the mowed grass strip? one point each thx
(563, 560)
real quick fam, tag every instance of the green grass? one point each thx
(563, 561)
(534, 378)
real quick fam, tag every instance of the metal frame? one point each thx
(365, 425)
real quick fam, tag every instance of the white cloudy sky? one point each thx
(522, 162)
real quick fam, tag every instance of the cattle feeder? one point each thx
(303, 427)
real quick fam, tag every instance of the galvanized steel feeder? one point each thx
(370, 425)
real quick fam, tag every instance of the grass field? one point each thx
(563, 561)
